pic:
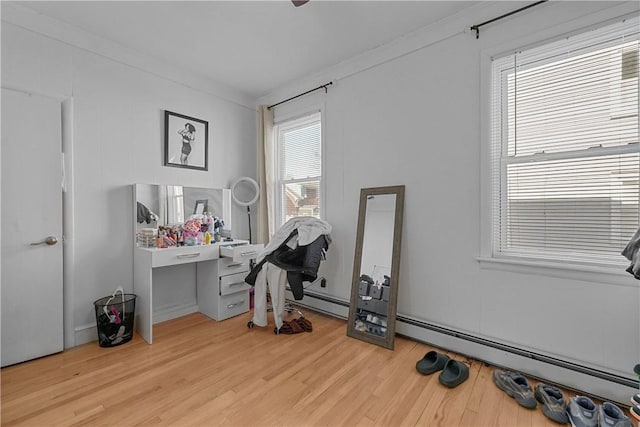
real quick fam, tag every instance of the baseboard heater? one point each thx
(525, 353)
(596, 373)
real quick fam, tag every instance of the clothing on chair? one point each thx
(301, 263)
(299, 253)
(275, 279)
(292, 256)
(309, 229)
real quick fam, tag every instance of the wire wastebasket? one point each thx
(114, 318)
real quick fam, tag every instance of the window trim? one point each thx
(293, 119)
(611, 272)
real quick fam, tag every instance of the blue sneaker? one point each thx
(554, 406)
(612, 416)
(516, 386)
(582, 412)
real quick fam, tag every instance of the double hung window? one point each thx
(565, 157)
(298, 168)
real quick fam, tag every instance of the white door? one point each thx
(31, 279)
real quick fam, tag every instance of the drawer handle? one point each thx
(236, 264)
(236, 284)
(235, 304)
(189, 255)
(248, 253)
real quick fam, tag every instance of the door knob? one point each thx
(50, 240)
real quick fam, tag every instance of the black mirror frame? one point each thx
(387, 341)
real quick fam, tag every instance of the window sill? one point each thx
(592, 273)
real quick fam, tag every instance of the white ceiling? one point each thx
(252, 46)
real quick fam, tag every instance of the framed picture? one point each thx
(186, 141)
(201, 206)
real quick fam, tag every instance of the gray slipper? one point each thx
(454, 373)
(431, 362)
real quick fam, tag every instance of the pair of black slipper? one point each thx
(453, 372)
(296, 326)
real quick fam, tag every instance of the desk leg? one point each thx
(143, 288)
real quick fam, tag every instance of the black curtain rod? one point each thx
(324, 86)
(476, 27)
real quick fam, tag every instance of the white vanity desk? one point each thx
(220, 272)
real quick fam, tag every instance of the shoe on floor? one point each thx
(454, 373)
(554, 406)
(432, 362)
(582, 412)
(635, 399)
(516, 386)
(612, 416)
(635, 412)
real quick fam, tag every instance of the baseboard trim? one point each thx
(321, 303)
(598, 383)
(162, 314)
(84, 334)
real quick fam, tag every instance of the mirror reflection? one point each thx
(169, 205)
(374, 289)
(375, 268)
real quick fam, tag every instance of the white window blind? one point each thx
(299, 166)
(565, 152)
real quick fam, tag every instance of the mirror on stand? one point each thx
(374, 289)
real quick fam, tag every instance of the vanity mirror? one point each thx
(374, 288)
(166, 205)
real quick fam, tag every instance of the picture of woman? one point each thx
(190, 147)
(188, 135)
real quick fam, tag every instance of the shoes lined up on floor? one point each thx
(580, 411)
(453, 372)
(583, 412)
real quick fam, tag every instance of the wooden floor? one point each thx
(205, 373)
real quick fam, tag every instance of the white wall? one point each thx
(413, 113)
(118, 133)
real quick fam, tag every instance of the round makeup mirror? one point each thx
(245, 192)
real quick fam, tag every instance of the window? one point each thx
(564, 147)
(298, 168)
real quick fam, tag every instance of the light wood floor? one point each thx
(206, 373)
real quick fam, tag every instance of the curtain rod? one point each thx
(324, 86)
(476, 27)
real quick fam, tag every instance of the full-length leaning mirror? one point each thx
(374, 289)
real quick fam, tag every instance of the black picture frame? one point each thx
(201, 206)
(186, 141)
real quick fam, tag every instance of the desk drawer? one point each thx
(232, 305)
(233, 283)
(241, 252)
(228, 266)
(183, 255)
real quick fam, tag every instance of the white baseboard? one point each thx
(162, 314)
(88, 333)
(84, 334)
(559, 373)
(316, 302)
(536, 369)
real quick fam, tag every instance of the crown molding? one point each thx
(436, 32)
(23, 17)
